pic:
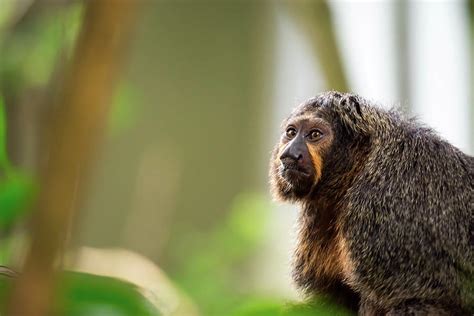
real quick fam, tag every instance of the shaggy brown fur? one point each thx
(386, 226)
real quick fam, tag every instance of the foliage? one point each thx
(16, 189)
(83, 294)
(78, 293)
(16, 193)
(212, 273)
(31, 53)
(123, 114)
(319, 306)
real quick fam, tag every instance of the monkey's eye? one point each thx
(291, 132)
(314, 135)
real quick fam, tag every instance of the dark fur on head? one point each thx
(390, 219)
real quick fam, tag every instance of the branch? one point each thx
(73, 132)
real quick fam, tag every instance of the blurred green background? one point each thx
(177, 199)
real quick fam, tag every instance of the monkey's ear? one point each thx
(350, 109)
(351, 105)
(354, 102)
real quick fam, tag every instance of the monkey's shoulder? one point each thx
(408, 217)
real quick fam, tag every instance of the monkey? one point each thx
(386, 208)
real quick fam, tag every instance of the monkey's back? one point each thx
(409, 219)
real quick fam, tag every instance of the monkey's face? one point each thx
(297, 161)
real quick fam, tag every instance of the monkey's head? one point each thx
(315, 140)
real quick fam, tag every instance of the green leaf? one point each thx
(83, 294)
(265, 307)
(125, 109)
(5, 289)
(261, 307)
(31, 55)
(16, 194)
(17, 190)
(4, 162)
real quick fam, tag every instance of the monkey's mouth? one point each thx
(295, 172)
(299, 180)
(292, 172)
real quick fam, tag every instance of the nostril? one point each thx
(291, 158)
(292, 154)
(287, 157)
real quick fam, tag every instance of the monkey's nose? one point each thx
(291, 156)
